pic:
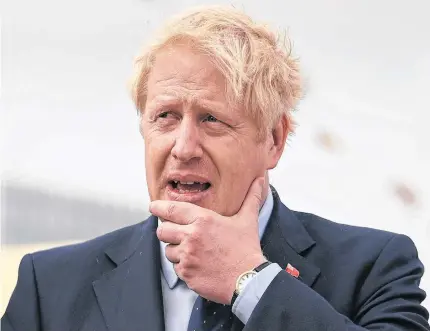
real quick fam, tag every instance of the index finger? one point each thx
(176, 211)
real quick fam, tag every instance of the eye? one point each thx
(210, 118)
(164, 114)
(168, 115)
(165, 117)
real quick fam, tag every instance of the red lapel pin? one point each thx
(292, 271)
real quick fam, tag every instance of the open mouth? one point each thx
(188, 187)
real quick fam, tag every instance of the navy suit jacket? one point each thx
(351, 279)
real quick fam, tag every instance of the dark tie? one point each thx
(210, 316)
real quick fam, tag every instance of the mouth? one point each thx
(191, 188)
(188, 187)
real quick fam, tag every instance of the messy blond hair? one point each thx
(260, 71)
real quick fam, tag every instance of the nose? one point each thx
(187, 143)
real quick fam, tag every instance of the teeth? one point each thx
(187, 183)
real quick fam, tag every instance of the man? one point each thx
(220, 252)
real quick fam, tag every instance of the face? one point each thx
(198, 148)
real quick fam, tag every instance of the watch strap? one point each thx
(257, 269)
(233, 299)
(262, 266)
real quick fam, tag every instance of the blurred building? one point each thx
(34, 219)
(36, 215)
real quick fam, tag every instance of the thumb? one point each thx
(252, 203)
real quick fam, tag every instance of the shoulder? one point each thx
(338, 237)
(321, 227)
(84, 256)
(363, 258)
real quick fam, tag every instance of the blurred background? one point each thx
(73, 161)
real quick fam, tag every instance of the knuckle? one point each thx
(188, 255)
(187, 252)
(160, 230)
(186, 272)
(176, 236)
(170, 209)
(183, 270)
(199, 219)
(185, 264)
(193, 237)
(179, 270)
(199, 224)
(169, 251)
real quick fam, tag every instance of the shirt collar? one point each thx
(263, 218)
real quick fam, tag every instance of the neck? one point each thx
(265, 189)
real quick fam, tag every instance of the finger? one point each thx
(171, 233)
(254, 198)
(172, 253)
(176, 211)
(178, 270)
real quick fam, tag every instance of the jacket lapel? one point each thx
(130, 296)
(286, 241)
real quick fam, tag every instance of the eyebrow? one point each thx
(161, 101)
(165, 100)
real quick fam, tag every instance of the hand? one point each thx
(210, 251)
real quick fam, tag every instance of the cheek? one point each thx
(157, 151)
(240, 162)
(248, 155)
(237, 169)
(156, 143)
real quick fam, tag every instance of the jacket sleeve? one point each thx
(22, 312)
(389, 300)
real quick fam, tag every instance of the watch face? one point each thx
(245, 279)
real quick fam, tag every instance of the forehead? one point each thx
(185, 72)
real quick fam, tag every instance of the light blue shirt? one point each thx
(178, 299)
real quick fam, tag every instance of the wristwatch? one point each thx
(245, 278)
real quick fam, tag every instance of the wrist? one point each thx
(245, 278)
(247, 264)
(251, 263)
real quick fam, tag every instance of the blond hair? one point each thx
(260, 71)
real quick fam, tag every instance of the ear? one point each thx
(141, 130)
(277, 140)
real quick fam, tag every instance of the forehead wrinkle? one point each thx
(190, 96)
(194, 88)
(174, 97)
